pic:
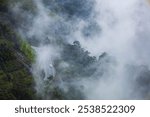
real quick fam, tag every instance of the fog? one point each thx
(125, 36)
(118, 27)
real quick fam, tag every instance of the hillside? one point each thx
(74, 49)
(16, 81)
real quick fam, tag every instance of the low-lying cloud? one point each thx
(118, 27)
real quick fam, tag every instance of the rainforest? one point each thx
(74, 49)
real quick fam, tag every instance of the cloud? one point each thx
(118, 27)
(125, 36)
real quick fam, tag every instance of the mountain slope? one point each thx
(16, 81)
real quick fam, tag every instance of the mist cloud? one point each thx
(124, 35)
(118, 27)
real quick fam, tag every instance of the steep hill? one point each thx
(16, 81)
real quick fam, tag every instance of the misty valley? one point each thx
(74, 49)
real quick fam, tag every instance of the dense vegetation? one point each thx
(15, 77)
(72, 66)
(16, 57)
(16, 81)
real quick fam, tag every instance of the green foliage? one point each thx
(2, 75)
(6, 42)
(5, 87)
(27, 50)
(12, 65)
(16, 81)
(10, 38)
(22, 85)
